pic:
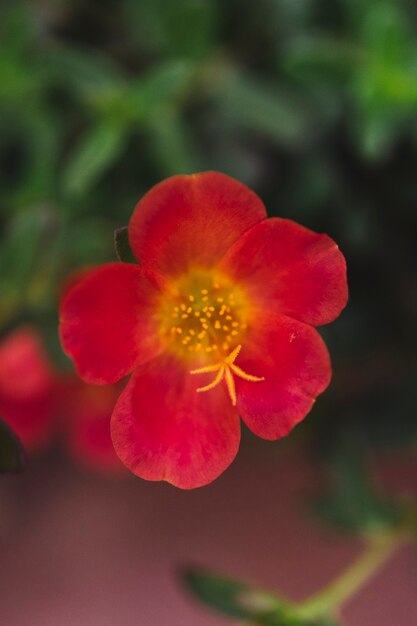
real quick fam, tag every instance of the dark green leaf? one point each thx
(99, 149)
(235, 598)
(88, 75)
(181, 28)
(19, 251)
(222, 594)
(122, 246)
(354, 504)
(12, 456)
(171, 144)
(320, 58)
(259, 108)
(16, 29)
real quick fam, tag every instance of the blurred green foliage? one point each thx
(240, 600)
(311, 102)
(353, 503)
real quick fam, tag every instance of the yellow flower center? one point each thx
(205, 316)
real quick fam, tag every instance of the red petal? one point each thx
(291, 270)
(294, 361)
(88, 409)
(27, 388)
(192, 220)
(162, 429)
(107, 324)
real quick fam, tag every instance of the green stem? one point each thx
(351, 580)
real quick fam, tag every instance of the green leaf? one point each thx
(20, 247)
(220, 593)
(85, 74)
(258, 108)
(171, 144)
(99, 149)
(181, 28)
(354, 504)
(238, 599)
(167, 81)
(12, 456)
(122, 246)
(376, 134)
(322, 59)
(16, 29)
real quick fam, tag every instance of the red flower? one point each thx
(38, 403)
(27, 388)
(86, 410)
(216, 322)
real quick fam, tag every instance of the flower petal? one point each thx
(27, 388)
(192, 220)
(107, 324)
(295, 363)
(291, 270)
(162, 429)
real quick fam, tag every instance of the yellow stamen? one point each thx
(225, 369)
(230, 385)
(215, 382)
(239, 372)
(207, 369)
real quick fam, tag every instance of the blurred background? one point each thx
(313, 104)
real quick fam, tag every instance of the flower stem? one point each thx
(351, 580)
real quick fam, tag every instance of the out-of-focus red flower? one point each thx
(217, 321)
(27, 388)
(39, 403)
(86, 411)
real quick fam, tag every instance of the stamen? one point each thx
(215, 382)
(230, 385)
(239, 372)
(225, 369)
(233, 355)
(207, 369)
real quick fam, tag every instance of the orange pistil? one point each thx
(225, 369)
